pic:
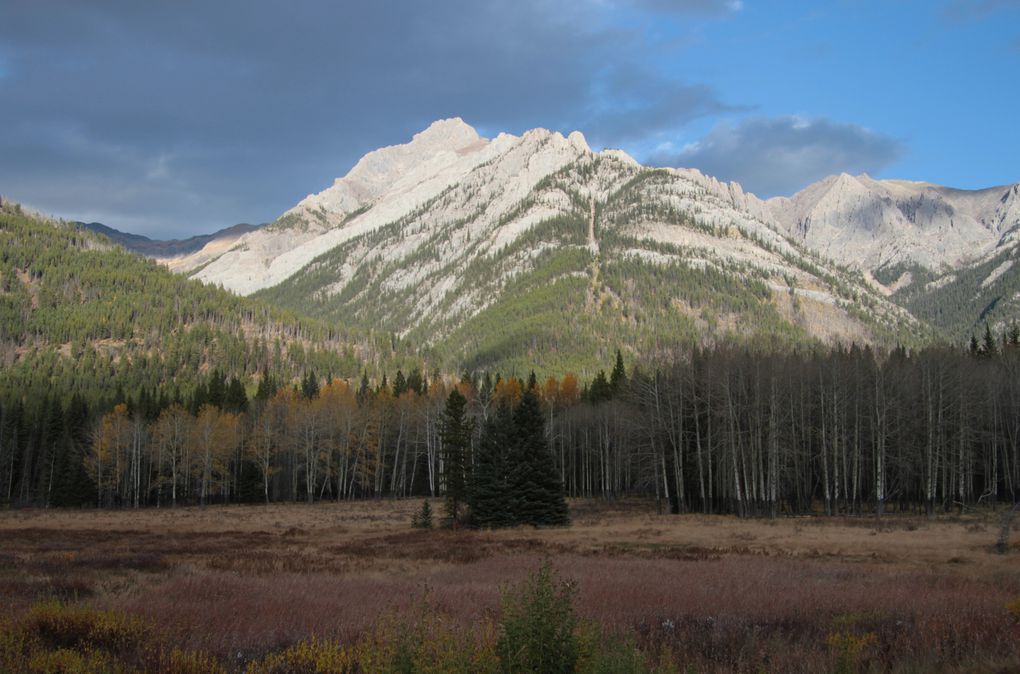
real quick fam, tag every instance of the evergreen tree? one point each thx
(267, 388)
(489, 497)
(600, 390)
(236, 400)
(415, 381)
(310, 386)
(618, 377)
(534, 484)
(456, 433)
(988, 348)
(199, 398)
(217, 391)
(73, 487)
(423, 518)
(399, 384)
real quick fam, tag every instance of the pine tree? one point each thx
(489, 496)
(600, 390)
(423, 518)
(618, 377)
(534, 483)
(988, 349)
(235, 400)
(399, 384)
(456, 434)
(363, 387)
(415, 382)
(267, 388)
(217, 391)
(310, 386)
(73, 486)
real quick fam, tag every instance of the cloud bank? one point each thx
(778, 156)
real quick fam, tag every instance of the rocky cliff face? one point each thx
(871, 224)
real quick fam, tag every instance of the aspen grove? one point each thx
(718, 430)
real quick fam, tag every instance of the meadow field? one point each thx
(685, 592)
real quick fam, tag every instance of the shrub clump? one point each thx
(537, 631)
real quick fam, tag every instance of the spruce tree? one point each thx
(415, 381)
(600, 390)
(310, 386)
(988, 348)
(456, 434)
(489, 496)
(267, 388)
(618, 377)
(363, 388)
(534, 485)
(217, 391)
(399, 384)
(236, 399)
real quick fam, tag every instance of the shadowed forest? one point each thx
(724, 430)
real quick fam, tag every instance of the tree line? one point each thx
(725, 429)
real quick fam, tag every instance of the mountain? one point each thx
(79, 314)
(172, 248)
(534, 250)
(873, 224)
(947, 255)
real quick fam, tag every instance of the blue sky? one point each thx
(170, 118)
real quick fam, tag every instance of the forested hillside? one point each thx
(960, 302)
(82, 321)
(124, 384)
(80, 315)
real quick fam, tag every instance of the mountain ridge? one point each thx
(428, 237)
(162, 249)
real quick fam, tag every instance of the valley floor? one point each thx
(713, 592)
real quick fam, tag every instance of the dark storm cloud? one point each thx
(196, 114)
(172, 118)
(637, 104)
(772, 156)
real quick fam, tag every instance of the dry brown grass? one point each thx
(721, 593)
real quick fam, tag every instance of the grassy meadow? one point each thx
(332, 587)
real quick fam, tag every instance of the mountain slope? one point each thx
(870, 224)
(947, 255)
(530, 250)
(77, 312)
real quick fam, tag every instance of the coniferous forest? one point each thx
(126, 386)
(720, 430)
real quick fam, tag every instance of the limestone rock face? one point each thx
(869, 224)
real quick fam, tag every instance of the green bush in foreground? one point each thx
(538, 627)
